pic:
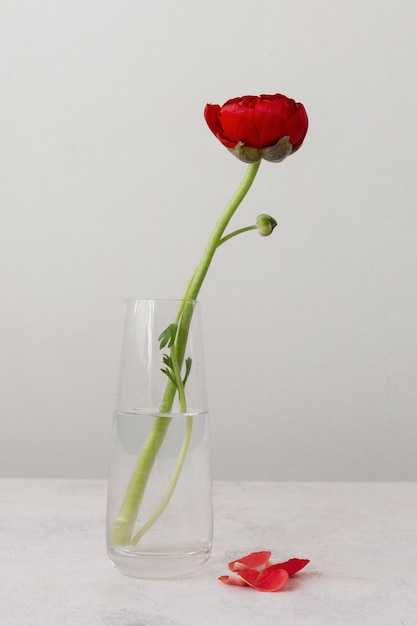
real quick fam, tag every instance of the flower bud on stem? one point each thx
(265, 224)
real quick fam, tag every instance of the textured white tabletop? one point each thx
(361, 539)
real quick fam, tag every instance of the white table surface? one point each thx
(361, 539)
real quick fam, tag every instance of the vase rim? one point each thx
(160, 300)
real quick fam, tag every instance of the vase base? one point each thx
(157, 566)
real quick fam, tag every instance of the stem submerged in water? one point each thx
(123, 525)
(170, 490)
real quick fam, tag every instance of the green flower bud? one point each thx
(265, 224)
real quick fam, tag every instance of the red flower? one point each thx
(254, 570)
(255, 127)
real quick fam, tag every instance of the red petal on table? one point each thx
(292, 566)
(251, 561)
(269, 579)
(233, 579)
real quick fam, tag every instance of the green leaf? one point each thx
(167, 337)
(170, 375)
(188, 363)
(168, 370)
(167, 361)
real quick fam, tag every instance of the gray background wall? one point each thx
(111, 183)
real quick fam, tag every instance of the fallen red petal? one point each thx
(269, 579)
(233, 579)
(292, 566)
(250, 561)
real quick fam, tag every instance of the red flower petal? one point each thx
(269, 579)
(250, 561)
(258, 121)
(233, 579)
(292, 566)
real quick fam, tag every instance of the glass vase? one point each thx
(159, 502)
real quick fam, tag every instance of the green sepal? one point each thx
(279, 152)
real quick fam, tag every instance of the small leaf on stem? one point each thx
(188, 363)
(170, 375)
(167, 337)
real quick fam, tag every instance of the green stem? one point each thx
(122, 527)
(123, 524)
(236, 232)
(181, 457)
(177, 373)
(197, 278)
(172, 484)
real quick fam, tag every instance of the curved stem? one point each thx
(197, 278)
(122, 526)
(236, 232)
(182, 454)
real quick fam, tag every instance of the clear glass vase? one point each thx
(159, 504)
